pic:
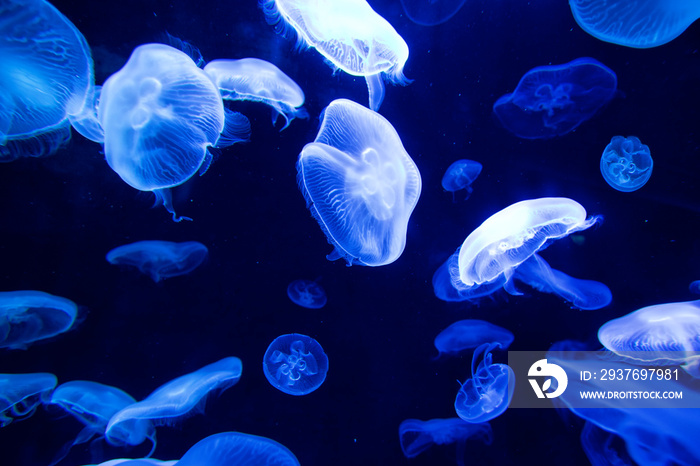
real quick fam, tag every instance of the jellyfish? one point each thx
(603, 448)
(47, 78)
(626, 164)
(488, 392)
(416, 436)
(460, 175)
(449, 287)
(160, 259)
(349, 34)
(29, 316)
(694, 287)
(20, 394)
(228, 448)
(663, 334)
(173, 401)
(470, 334)
(635, 24)
(136, 462)
(258, 81)
(431, 12)
(359, 184)
(553, 100)
(160, 114)
(307, 294)
(295, 364)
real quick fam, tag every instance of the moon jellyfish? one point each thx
(359, 184)
(46, 78)
(29, 316)
(694, 287)
(160, 114)
(169, 403)
(488, 392)
(431, 12)
(635, 24)
(626, 164)
(160, 259)
(349, 34)
(416, 436)
(460, 175)
(603, 448)
(229, 448)
(295, 364)
(258, 81)
(469, 334)
(307, 294)
(20, 394)
(553, 100)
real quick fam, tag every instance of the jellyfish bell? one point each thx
(231, 448)
(460, 175)
(417, 436)
(626, 163)
(469, 334)
(307, 293)
(20, 394)
(295, 364)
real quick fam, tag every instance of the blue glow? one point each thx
(20, 394)
(228, 448)
(460, 175)
(431, 12)
(416, 436)
(307, 294)
(469, 334)
(295, 364)
(603, 448)
(160, 259)
(626, 163)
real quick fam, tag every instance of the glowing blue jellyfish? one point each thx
(160, 114)
(416, 436)
(460, 175)
(431, 12)
(160, 259)
(136, 462)
(307, 294)
(20, 394)
(603, 448)
(173, 401)
(29, 316)
(553, 100)
(229, 448)
(694, 287)
(258, 81)
(488, 392)
(635, 24)
(626, 164)
(469, 334)
(349, 34)
(359, 184)
(295, 364)
(47, 78)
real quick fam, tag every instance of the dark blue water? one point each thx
(62, 214)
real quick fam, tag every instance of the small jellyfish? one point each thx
(626, 164)
(416, 436)
(229, 448)
(295, 364)
(470, 334)
(488, 392)
(460, 175)
(359, 184)
(307, 294)
(160, 259)
(20, 394)
(694, 287)
(431, 12)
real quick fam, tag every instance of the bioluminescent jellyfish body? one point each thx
(29, 316)
(359, 184)
(47, 78)
(160, 114)
(460, 175)
(635, 24)
(136, 462)
(258, 81)
(470, 334)
(295, 364)
(307, 294)
(582, 294)
(229, 448)
(349, 34)
(694, 287)
(626, 163)
(173, 401)
(416, 436)
(663, 334)
(603, 448)
(431, 12)
(449, 287)
(553, 100)
(488, 392)
(20, 394)
(160, 259)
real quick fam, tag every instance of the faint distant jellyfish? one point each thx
(160, 259)
(229, 448)
(160, 114)
(604, 448)
(626, 164)
(359, 184)
(47, 78)
(416, 436)
(460, 175)
(307, 294)
(431, 12)
(29, 316)
(488, 392)
(469, 334)
(295, 364)
(258, 81)
(553, 100)
(20, 394)
(694, 287)
(349, 34)
(635, 24)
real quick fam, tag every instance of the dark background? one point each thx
(62, 214)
